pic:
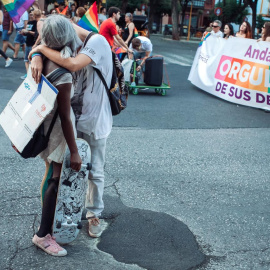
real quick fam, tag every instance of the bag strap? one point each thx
(57, 73)
(52, 124)
(53, 77)
(96, 69)
(88, 37)
(102, 79)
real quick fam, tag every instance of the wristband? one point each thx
(36, 54)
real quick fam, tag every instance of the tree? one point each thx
(124, 6)
(260, 22)
(175, 15)
(232, 12)
(184, 5)
(253, 6)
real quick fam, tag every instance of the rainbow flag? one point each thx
(204, 37)
(136, 34)
(89, 21)
(16, 8)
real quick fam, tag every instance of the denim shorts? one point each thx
(19, 38)
(5, 36)
(27, 51)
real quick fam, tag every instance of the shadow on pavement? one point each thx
(149, 239)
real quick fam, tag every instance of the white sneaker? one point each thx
(8, 62)
(94, 229)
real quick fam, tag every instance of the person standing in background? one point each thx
(102, 16)
(8, 60)
(72, 11)
(20, 39)
(216, 29)
(228, 31)
(109, 31)
(244, 31)
(31, 35)
(7, 31)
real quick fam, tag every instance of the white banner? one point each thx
(27, 109)
(236, 69)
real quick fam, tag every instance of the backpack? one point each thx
(118, 91)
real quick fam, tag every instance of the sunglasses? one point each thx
(215, 26)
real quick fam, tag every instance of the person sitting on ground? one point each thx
(244, 31)
(228, 31)
(142, 49)
(216, 25)
(58, 33)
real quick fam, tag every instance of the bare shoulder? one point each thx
(49, 66)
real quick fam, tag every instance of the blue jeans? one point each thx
(5, 36)
(19, 38)
(27, 51)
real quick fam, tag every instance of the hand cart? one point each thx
(135, 87)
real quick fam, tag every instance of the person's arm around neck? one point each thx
(72, 63)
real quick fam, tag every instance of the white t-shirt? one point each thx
(218, 34)
(146, 44)
(20, 24)
(101, 17)
(96, 114)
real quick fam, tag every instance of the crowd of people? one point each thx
(52, 39)
(28, 31)
(245, 30)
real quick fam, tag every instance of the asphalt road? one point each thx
(186, 183)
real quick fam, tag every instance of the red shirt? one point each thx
(108, 30)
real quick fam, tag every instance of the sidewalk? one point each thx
(182, 38)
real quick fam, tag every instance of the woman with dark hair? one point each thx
(244, 31)
(228, 31)
(57, 33)
(266, 32)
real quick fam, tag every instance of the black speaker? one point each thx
(153, 74)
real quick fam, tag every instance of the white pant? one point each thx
(94, 196)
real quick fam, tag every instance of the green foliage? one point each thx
(161, 6)
(132, 5)
(232, 12)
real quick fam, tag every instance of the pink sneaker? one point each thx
(49, 245)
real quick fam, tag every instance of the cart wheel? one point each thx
(135, 91)
(163, 93)
(157, 91)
